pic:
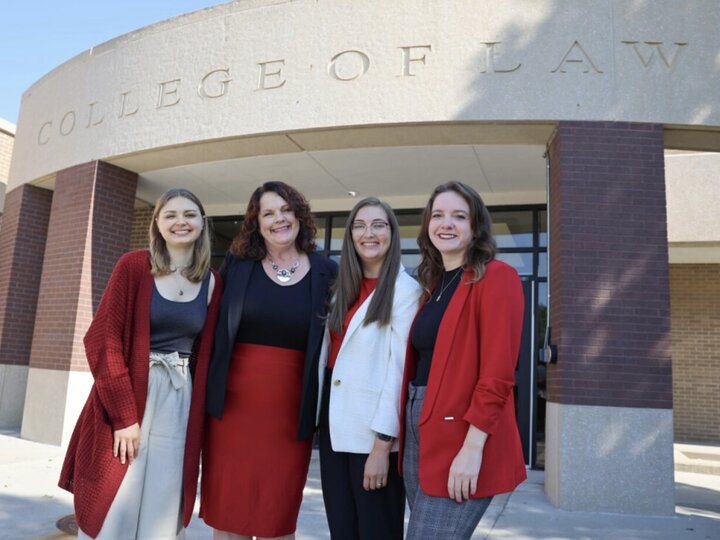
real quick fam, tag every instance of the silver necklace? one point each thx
(174, 270)
(283, 275)
(443, 286)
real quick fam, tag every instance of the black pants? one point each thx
(352, 512)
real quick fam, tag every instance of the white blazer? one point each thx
(367, 377)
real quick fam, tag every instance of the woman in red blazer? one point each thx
(133, 459)
(460, 443)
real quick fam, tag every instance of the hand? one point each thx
(377, 466)
(126, 443)
(462, 481)
(465, 468)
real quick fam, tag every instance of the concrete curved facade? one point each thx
(595, 112)
(250, 69)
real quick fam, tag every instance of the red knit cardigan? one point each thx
(117, 346)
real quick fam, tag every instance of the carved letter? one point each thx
(490, 59)
(224, 83)
(580, 58)
(346, 74)
(63, 129)
(264, 74)
(656, 46)
(123, 104)
(90, 122)
(42, 140)
(407, 58)
(168, 88)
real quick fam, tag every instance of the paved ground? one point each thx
(31, 504)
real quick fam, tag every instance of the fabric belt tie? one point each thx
(175, 365)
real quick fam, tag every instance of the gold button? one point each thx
(336, 382)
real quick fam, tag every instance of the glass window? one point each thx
(542, 264)
(409, 229)
(542, 216)
(513, 229)
(224, 231)
(522, 262)
(320, 236)
(410, 261)
(541, 313)
(337, 232)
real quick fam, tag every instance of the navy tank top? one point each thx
(175, 325)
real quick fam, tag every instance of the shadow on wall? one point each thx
(614, 68)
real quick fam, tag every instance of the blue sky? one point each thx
(39, 35)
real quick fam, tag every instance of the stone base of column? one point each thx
(53, 403)
(610, 459)
(13, 380)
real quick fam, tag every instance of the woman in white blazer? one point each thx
(360, 374)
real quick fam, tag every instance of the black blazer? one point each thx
(236, 275)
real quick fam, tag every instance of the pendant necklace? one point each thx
(283, 275)
(443, 286)
(174, 270)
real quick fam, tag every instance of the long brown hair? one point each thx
(249, 243)
(159, 255)
(347, 285)
(481, 250)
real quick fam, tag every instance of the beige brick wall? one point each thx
(6, 146)
(695, 322)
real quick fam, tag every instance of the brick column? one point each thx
(609, 422)
(89, 229)
(22, 245)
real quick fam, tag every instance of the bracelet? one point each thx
(383, 437)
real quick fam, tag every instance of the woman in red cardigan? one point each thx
(460, 444)
(132, 462)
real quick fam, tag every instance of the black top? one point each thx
(175, 325)
(427, 323)
(235, 273)
(275, 315)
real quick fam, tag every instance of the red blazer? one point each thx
(471, 382)
(117, 346)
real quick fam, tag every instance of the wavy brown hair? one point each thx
(347, 286)
(249, 243)
(481, 250)
(159, 256)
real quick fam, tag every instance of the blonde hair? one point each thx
(159, 255)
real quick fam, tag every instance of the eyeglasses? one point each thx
(358, 227)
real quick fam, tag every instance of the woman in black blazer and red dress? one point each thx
(263, 385)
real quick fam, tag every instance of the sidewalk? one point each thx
(31, 504)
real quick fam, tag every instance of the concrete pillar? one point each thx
(22, 246)
(609, 431)
(90, 223)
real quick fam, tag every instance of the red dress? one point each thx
(254, 466)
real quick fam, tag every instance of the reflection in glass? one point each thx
(410, 262)
(513, 229)
(522, 262)
(542, 216)
(409, 230)
(540, 375)
(542, 264)
(320, 235)
(337, 232)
